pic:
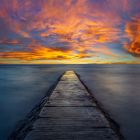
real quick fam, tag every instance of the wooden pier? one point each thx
(70, 114)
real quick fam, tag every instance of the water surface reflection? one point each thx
(115, 86)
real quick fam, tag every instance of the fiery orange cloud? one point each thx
(133, 31)
(43, 53)
(13, 42)
(65, 29)
(73, 24)
(65, 19)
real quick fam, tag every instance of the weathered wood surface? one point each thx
(70, 114)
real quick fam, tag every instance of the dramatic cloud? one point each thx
(133, 31)
(13, 42)
(38, 52)
(61, 30)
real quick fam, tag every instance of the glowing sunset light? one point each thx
(70, 31)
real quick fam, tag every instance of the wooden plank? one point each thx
(70, 114)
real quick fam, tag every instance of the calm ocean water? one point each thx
(117, 87)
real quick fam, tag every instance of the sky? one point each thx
(69, 31)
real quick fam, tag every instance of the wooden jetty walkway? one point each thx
(70, 114)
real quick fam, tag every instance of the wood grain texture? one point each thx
(70, 114)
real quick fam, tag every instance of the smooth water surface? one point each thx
(115, 86)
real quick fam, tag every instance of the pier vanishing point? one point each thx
(70, 114)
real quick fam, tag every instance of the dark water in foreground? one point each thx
(117, 87)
